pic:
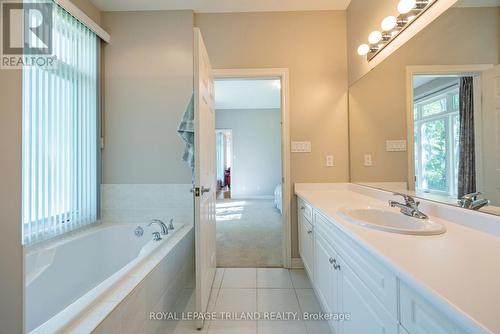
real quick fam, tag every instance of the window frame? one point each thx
(449, 117)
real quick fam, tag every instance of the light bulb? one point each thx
(405, 6)
(389, 23)
(374, 37)
(363, 49)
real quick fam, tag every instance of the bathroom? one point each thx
(108, 169)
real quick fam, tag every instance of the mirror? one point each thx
(426, 120)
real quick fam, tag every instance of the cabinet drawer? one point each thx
(305, 209)
(381, 282)
(418, 316)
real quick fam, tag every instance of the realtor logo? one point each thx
(26, 34)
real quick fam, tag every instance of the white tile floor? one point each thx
(258, 290)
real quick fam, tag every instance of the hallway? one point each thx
(249, 233)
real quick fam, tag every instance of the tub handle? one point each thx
(139, 231)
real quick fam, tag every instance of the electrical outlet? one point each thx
(395, 145)
(368, 160)
(330, 162)
(301, 146)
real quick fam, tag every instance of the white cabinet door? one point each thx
(325, 277)
(306, 245)
(418, 316)
(366, 313)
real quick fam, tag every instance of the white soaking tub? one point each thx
(67, 276)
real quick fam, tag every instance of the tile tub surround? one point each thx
(157, 284)
(139, 203)
(456, 271)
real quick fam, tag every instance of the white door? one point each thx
(491, 135)
(204, 187)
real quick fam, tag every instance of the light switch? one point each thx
(395, 145)
(330, 162)
(368, 160)
(301, 146)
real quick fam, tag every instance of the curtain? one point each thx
(60, 134)
(467, 158)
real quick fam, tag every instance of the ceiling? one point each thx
(221, 6)
(247, 94)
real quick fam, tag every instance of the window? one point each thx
(60, 134)
(437, 127)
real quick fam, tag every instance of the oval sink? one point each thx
(391, 221)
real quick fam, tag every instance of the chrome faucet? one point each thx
(163, 227)
(472, 202)
(410, 208)
(156, 236)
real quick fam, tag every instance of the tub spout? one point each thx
(163, 227)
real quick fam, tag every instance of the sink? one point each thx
(391, 221)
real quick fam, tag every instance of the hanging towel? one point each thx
(186, 131)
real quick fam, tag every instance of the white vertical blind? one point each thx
(60, 123)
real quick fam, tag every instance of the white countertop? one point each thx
(458, 271)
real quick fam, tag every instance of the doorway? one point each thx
(251, 170)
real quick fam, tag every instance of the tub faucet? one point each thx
(163, 227)
(410, 208)
(471, 201)
(156, 236)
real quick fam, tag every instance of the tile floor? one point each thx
(257, 290)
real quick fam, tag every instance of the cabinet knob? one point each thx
(331, 260)
(302, 207)
(309, 232)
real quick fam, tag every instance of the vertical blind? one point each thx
(60, 134)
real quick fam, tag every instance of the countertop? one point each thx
(458, 271)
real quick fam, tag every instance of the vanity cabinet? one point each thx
(306, 237)
(340, 290)
(349, 280)
(326, 278)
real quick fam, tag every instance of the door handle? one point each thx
(204, 190)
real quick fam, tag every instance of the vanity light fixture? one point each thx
(389, 23)
(392, 26)
(363, 49)
(375, 37)
(405, 6)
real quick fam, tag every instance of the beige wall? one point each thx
(377, 102)
(11, 253)
(148, 81)
(313, 46)
(88, 8)
(362, 18)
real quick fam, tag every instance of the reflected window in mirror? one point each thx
(437, 134)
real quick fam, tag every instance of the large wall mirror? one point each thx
(426, 121)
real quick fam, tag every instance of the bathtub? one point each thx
(66, 277)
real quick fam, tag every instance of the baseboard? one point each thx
(297, 263)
